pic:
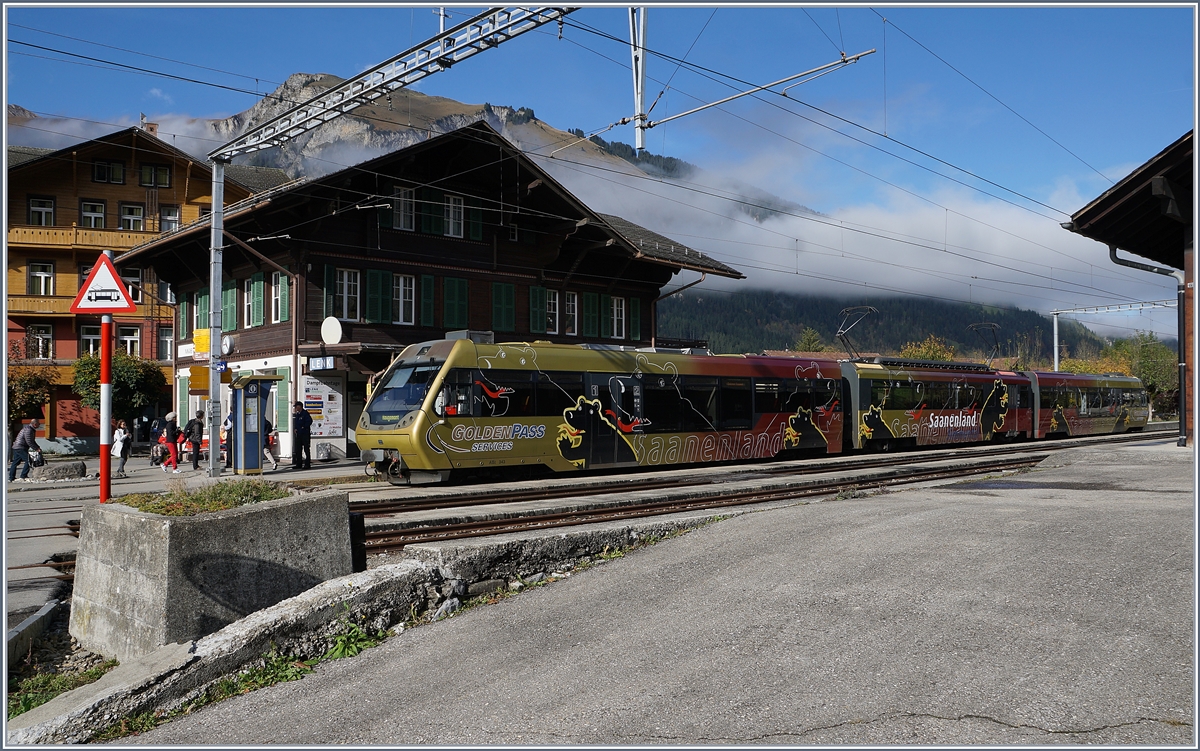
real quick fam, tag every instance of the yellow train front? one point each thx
(457, 406)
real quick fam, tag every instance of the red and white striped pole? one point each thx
(106, 347)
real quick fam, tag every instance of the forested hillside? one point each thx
(754, 320)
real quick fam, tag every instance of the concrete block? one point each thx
(59, 471)
(145, 580)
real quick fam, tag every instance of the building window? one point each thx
(205, 211)
(108, 172)
(39, 341)
(89, 340)
(166, 342)
(155, 176)
(133, 281)
(276, 281)
(166, 292)
(551, 311)
(454, 216)
(129, 338)
(618, 318)
(41, 212)
(513, 232)
(92, 214)
(404, 210)
(168, 218)
(404, 308)
(571, 314)
(133, 217)
(41, 279)
(198, 321)
(345, 296)
(248, 303)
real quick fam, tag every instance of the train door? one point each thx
(620, 415)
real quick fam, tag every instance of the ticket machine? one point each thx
(253, 401)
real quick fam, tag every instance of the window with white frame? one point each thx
(513, 232)
(133, 277)
(41, 279)
(166, 293)
(133, 217)
(129, 338)
(39, 341)
(89, 340)
(404, 309)
(276, 280)
(166, 342)
(404, 208)
(454, 216)
(197, 321)
(91, 214)
(41, 212)
(168, 218)
(551, 311)
(248, 303)
(345, 296)
(570, 313)
(618, 317)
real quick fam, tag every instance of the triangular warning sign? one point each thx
(103, 292)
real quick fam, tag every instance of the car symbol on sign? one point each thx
(101, 293)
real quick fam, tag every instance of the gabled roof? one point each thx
(253, 179)
(653, 245)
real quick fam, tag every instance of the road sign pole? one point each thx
(106, 348)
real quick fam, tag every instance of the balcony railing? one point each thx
(77, 237)
(61, 305)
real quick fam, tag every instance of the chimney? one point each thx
(151, 128)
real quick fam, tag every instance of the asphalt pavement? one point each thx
(1051, 607)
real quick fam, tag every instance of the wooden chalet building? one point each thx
(461, 231)
(65, 207)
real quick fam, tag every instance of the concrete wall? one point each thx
(144, 580)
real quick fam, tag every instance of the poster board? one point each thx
(323, 400)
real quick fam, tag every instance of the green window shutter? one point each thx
(504, 307)
(455, 308)
(185, 319)
(228, 305)
(606, 317)
(256, 302)
(281, 399)
(474, 221)
(330, 286)
(427, 287)
(379, 297)
(202, 305)
(537, 310)
(635, 319)
(184, 387)
(285, 301)
(386, 209)
(591, 316)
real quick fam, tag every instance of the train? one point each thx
(452, 408)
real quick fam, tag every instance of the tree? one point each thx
(136, 383)
(29, 386)
(933, 348)
(809, 341)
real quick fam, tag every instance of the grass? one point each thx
(178, 501)
(37, 689)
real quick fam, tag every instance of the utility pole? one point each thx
(637, 49)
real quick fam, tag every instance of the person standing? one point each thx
(301, 435)
(171, 437)
(227, 426)
(122, 445)
(26, 440)
(268, 431)
(193, 433)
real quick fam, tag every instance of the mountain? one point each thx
(757, 320)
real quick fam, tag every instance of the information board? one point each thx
(323, 400)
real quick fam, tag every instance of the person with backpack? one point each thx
(171, 437)
(193, 433)
(25, 442)
(227, 426)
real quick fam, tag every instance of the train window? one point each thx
(505, 393)
(620, 397)
(699, 403)
(1048, 398)
(735, 403)
(402, 391)
(661, 406)
(768, 395)
(797, 398)
(903, 397)
(881, 393)
(455, 399)
(557, 392)
(938, 395)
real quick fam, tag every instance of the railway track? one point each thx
(635, 483)
(391, 540)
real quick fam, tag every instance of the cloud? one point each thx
(157, 93)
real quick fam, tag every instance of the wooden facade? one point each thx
(460, 232)
(65, 208)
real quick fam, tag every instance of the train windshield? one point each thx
(401, 391)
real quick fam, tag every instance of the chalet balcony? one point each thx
(77, 237)
(60, 305)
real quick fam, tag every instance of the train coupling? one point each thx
(391, 465)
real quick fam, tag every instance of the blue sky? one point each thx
(1112, 85)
